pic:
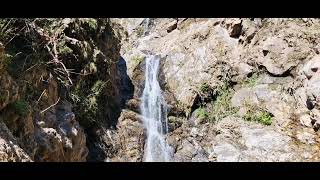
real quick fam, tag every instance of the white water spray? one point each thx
(154, 114)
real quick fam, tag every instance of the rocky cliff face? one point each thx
(58, 88)
(239, 89)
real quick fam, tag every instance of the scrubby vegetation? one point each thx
(21, 107)
(262, 117)
(201, 113)
(222, 107)
(140, 31)
(204, 87)
(219, 107)
(252, 81)
(257, 114)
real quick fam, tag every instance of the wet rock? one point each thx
(134, 105)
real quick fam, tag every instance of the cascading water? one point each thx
(154, 112)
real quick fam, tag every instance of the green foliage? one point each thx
(222, 107)
(262, 117)
(63, 48)
(140, 31)
(32, 93)
(98, 87)
(7, 60)
(252, 81)
(87, 100)
(257, 114)
(21, 107)
(204, 87)
(92, 23)
(201, 113)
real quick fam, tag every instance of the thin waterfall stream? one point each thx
(154, 112)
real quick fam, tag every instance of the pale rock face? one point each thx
(313, 87)
(198, 51)
(206, 42)
(312, 66)
(306, 137)
(243, 96)
(227, 153)
(129, 138)
(305, 120)
(10, 151)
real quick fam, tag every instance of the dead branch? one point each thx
(41, 96)
(50, 106)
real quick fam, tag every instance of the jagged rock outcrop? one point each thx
(231, 71)
(59, 89)
(237, 89)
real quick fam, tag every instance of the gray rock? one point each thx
(305, 120)
(242, 96)
(226, 152)
(306, 137)
(313, 88)
(311, 67)
(200, 157)
(264, 139)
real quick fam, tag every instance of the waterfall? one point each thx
(154, 112)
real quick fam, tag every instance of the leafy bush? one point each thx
(222, 107)
(262, 117)
(201, 113)
(252, 81)
(140, 31)
(204, 87)
(21, 107)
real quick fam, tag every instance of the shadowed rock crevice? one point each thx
(126, 87)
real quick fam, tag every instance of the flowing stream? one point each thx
(154, 112)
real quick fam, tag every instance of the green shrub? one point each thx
(204, 87)
(201, 113)
(21, 107)
(140, 31)
(222, 107)
(92, 23)
(252, 81)
(7, 60)
(262, 117)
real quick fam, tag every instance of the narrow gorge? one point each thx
(159, 90)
